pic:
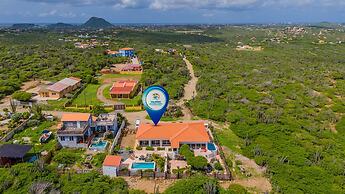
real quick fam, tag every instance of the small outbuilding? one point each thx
(111, 165)
(13, 153)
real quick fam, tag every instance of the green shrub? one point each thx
(26, 115)
(22, 96)
(139, 148)
(218, 166)
(236, 189)
(33, 123)
(194, 184)
(67, 157)
(198, 162)
(149, 148)
(185, 151)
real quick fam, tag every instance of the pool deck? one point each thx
(98, 148)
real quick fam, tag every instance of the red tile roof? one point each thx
(131, 67)
(123, 87)
(110, 52)
(112, 161)
(126, 49)
(175, 132)
(75, 117)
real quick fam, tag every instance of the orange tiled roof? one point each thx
(75, 117)
(123, 87)
(175, 132)
(126, 49)
(112, 161)
(110, 52)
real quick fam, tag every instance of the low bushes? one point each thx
(197, 163)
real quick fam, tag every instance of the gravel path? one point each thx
(101, 97)
(189, 92)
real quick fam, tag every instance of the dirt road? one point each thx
(100, 96)
(189, 92)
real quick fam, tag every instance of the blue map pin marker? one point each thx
(155, 101)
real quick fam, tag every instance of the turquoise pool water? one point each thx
(143, 165)
(211, 147)
(101, 145)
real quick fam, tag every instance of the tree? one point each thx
(235, 189)
(194, 184)
(185, 151)
(197, 163)
(97, 110)
(22, 96)
(218, 166)
(37, 111)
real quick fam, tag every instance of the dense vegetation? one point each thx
(165, 70)
(32, 178)
(202, 184)
(52, 56)
(39, 55)
(286, 102)
(196, 162)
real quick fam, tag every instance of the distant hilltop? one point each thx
(60, 26)
(95, 22)
(23, 26)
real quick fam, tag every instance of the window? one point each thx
(62, 138)
(54, 94)
(193, 146)
(166, 143)
(71, 138)
(144, 143)
(155, 142)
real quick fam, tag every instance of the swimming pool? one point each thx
(100, 145)
(32, 159)
(211, 147)
(143, 165)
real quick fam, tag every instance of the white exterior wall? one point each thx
(110, 171)
(71, 144)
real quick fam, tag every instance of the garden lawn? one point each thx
(56, 104)
(134, 101)
(34, 133)
(106, 92)
(88, 96)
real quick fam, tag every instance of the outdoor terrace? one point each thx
(69, 130)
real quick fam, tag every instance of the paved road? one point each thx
(189, 92)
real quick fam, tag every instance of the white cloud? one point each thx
(195, 4)
(57, 13)
(50, 13)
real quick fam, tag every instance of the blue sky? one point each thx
(173, 11)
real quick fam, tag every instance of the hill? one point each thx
(60, 26)
(23, 26)
(95, 22)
